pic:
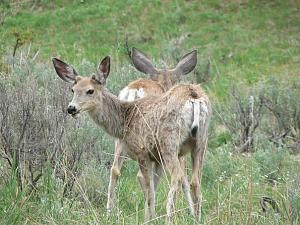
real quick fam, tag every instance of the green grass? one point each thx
(246, 43)
(261, 37)
(232, 187)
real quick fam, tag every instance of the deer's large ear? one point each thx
(103, 70)
(186, 64)
(64, 71)
(142, 63)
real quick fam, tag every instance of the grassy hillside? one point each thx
(244, 40)
(254, 50)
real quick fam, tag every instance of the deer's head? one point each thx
(87, 91)
(166, 77)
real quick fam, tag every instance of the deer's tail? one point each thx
(201, 116)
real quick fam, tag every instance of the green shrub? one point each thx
(272, 163)
(219, 165)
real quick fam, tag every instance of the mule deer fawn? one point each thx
(155, 129)
(160, 81)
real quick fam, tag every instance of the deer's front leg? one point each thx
(114, 174)
(157, 174)
(147, 185)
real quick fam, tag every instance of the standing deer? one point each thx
(155, 129)
(160, 81)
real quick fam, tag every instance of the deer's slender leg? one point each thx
(197, 164)
(186, 186)
(158, 172)
(147, 185)
(174, 168)
(141, 180)
(114, 174)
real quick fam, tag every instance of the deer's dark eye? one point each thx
(72, 90)
(90, 92)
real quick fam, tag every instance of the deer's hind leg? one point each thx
(186, 186)
(115, 173)
(169, 150)
(198, 154)
(173, 166)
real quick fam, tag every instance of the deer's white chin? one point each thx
(75, 115)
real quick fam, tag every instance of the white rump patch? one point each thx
(200, 113)
(140, 93)
(204, 106)
(123, 95)
(129, 95)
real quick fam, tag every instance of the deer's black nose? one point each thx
(71, 109)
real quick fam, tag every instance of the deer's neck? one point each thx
(110, 114)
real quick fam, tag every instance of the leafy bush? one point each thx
(36, 132)
(219, 165)
(241, 116)
(270, 109)
(281, 122)
(271, 162)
